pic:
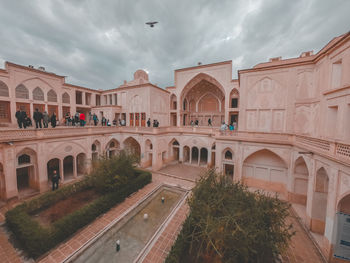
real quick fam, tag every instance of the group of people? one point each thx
(224, 127)
(78, 119)
(41, 119)
(155, 123)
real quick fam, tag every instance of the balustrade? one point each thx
(329, 148)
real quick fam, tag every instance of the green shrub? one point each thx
(37, 240)
(227, 223)
(110, 174)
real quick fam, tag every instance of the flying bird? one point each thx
(151, 24)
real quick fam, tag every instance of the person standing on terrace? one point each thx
(209, 122)
(37, 116)
(53, 120)
(46, 119)
(94, 117)
(82, 119)
(19, 118)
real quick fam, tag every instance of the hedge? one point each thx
(37, 240)
(181, 245)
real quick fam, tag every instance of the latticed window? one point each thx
(4, 90)
(22, 92)
(52, 96)
(38, 94)
(65, 98)
(4, 111)
(228, 155)
(23, 159)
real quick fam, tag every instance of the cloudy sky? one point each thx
(100, 43)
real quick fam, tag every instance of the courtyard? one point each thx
(301, 249)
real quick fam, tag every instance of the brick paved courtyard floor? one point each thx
(301, 248)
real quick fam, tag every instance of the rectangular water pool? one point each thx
(133, 231)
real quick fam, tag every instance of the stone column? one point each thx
(181, 153)
(209, 157)
(199, 156)
(83, 102)
(75, 168)
(190, 155)
(60, 168)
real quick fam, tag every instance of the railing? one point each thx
(332, 149)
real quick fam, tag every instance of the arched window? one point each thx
(22, 92)
(111, 145)
(65, 98)
(4, 90)
(38, 94)
(52, 96)
(93, 147)
(176, 142)
(228, 155)
(184, 104)
(23, 159)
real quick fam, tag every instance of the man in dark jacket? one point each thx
(24, 118)
(55, 179)
(53, 120)
(38, 116)
(19, 118)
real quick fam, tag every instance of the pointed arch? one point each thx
(22, 92)
(173, 102)
(38, 94)
(198, 78)
(65, 98)
(320, 201)
(265, 169)
(132, 146)
(4, 90)
(227, 154)
(52, 96)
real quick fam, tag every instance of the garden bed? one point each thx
(64, 207)
(63, 212)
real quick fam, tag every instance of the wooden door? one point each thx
(143, 119)
(5, 114)
(40, 107)
(53, 109)
(131, 119)
(24, 106)
(65, 110)
(137, 117)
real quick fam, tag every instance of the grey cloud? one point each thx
(98, 44)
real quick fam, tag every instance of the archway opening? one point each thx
(81, 164)
(265, 170)
(194, 155)
(344, 205)
(186, 153)
(300, 183)
(132, 147)
(203, 157)
(68, 168)
(113, 148)
(319, 202)
(95, 150)
(25, 172)
(203, 98)
(53, 164)
(174, 150)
